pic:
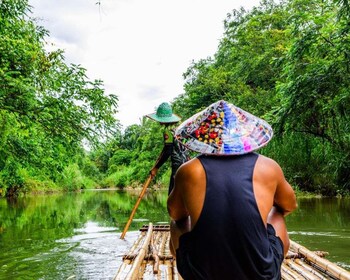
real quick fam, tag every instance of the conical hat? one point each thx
(224, 129)
(164, 114)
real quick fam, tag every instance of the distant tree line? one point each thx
(287, 62)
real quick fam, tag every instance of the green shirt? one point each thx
(168, 136)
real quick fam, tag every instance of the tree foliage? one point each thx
(287, 62)
(47, 108)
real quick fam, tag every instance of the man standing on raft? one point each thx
(178, 155)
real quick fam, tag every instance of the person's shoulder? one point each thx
(269, 165)
(190, 168)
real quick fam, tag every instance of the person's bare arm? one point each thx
(180, 219)
(188, 195)
(285, 199)
(176, 206)
(186, 200)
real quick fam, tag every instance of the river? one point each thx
(77, 236)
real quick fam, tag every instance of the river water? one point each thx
(77, 236)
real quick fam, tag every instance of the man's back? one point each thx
(229, 237)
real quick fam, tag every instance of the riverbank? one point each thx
(51, 188)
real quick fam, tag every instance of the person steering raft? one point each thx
(171, 149)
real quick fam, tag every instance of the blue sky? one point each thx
(139, 48)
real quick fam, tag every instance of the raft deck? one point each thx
(150, 258)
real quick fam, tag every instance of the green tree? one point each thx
(47, 107)
(315, 92)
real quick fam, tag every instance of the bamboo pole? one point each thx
(133, 274)
(169, 270)
(148, 181)
(303, 272)
(163, 243)
(289, 273)
(329, 267)
(310, 269)
(155, 254)
(127, 259)
(285, 273)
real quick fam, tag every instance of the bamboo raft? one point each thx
(150, 258)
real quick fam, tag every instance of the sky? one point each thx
(138, 48)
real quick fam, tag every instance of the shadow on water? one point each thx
(77, 236)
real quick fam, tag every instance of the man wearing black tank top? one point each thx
(228, 205)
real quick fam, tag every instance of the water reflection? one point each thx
(324, 225)
(77, 236)
(73, 236)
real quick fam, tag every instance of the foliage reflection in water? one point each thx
(77, 236)
(323, 224)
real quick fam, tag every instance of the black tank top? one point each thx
(229, 240)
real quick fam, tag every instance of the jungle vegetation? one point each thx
(287, 62)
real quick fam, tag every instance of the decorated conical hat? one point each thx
(224, 129)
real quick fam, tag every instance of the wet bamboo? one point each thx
(155, 254)
(169, 270)
(287, 271)
(143, 191)
(285, 275)
(163, 242)
(160, 273)
(139, 259)
(303, 272)
(145, 271)
(310, 269)
(136, 244)
(329, 267)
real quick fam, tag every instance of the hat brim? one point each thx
(172, 119)
(224, 129)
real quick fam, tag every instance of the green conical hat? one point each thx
(164, 114)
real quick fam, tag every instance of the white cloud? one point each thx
(139, 48)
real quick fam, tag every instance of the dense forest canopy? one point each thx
(287, 62)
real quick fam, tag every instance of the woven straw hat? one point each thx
(224, 129)
(164, 114)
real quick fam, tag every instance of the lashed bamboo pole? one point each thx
(124, 267)
(155, 254)
(136, 244)
(329, 267)
(306, 274)
(310, 269)
(143, 191)
(133, 274)
(287, 271)
(169, 271)
(163, 243)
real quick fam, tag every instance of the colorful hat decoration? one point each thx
(164, 114)
(224, 129)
